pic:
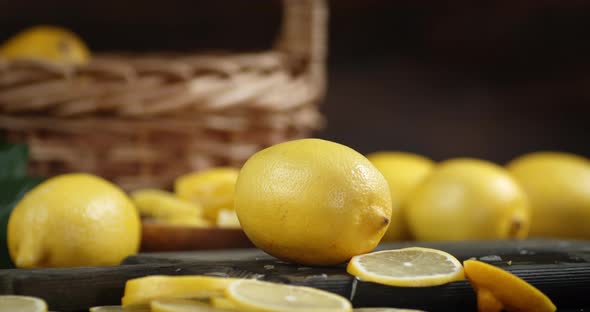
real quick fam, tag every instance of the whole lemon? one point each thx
(312, 202)
(558, 188)
(50, 43)
(468, 199)
(403, 171)
(73, 220)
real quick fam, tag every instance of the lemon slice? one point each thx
(22, 304)
(180, 305)
(498, 289)
(407, 267)
(141, 308)
(384, 310)
(145, 289)
(223, 303)
(265, 296)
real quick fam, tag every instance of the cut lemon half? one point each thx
(22, 304)
(407, 267)
(180, 305)
(498, 289)
(145, 289)
(255, 295)
(142, 308)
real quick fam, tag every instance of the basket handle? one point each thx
(304, 36)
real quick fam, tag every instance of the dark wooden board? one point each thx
(561, 269)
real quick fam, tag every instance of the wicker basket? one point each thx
(142, 120)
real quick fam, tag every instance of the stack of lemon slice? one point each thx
(206, 293)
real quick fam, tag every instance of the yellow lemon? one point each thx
(48, 43)
(558, 188)
(73, 220)
(468, 199)
(312, 201)
(403, 171)
(213, 189)
(499, 290)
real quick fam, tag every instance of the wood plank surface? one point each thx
(559, 268)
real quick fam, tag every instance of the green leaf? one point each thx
(13, 160)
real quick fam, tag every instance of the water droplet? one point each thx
(217, 274)
(408, 264)
(491, 258)
(257, 276)
(317, 277)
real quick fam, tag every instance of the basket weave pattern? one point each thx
(142, 120)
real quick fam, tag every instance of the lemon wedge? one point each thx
(145, 289)
(407, 267)
(498, 289)
(179, 305)
(264, 296)
(22, 304)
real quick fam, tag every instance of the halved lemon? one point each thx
(180, 305)
(407, 267)
(141, 308)
(145, 289)
(264, 296)
(498, 289)
(22, 304)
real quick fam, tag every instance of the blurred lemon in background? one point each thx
(558, 188)
(73, 220)
(468, 199)
(312, 201)
(162, 206)
(48, 43)
(403, 171)
(213, 189)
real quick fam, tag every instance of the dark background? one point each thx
(488, 79)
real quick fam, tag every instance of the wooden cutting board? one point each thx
(561, 269)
